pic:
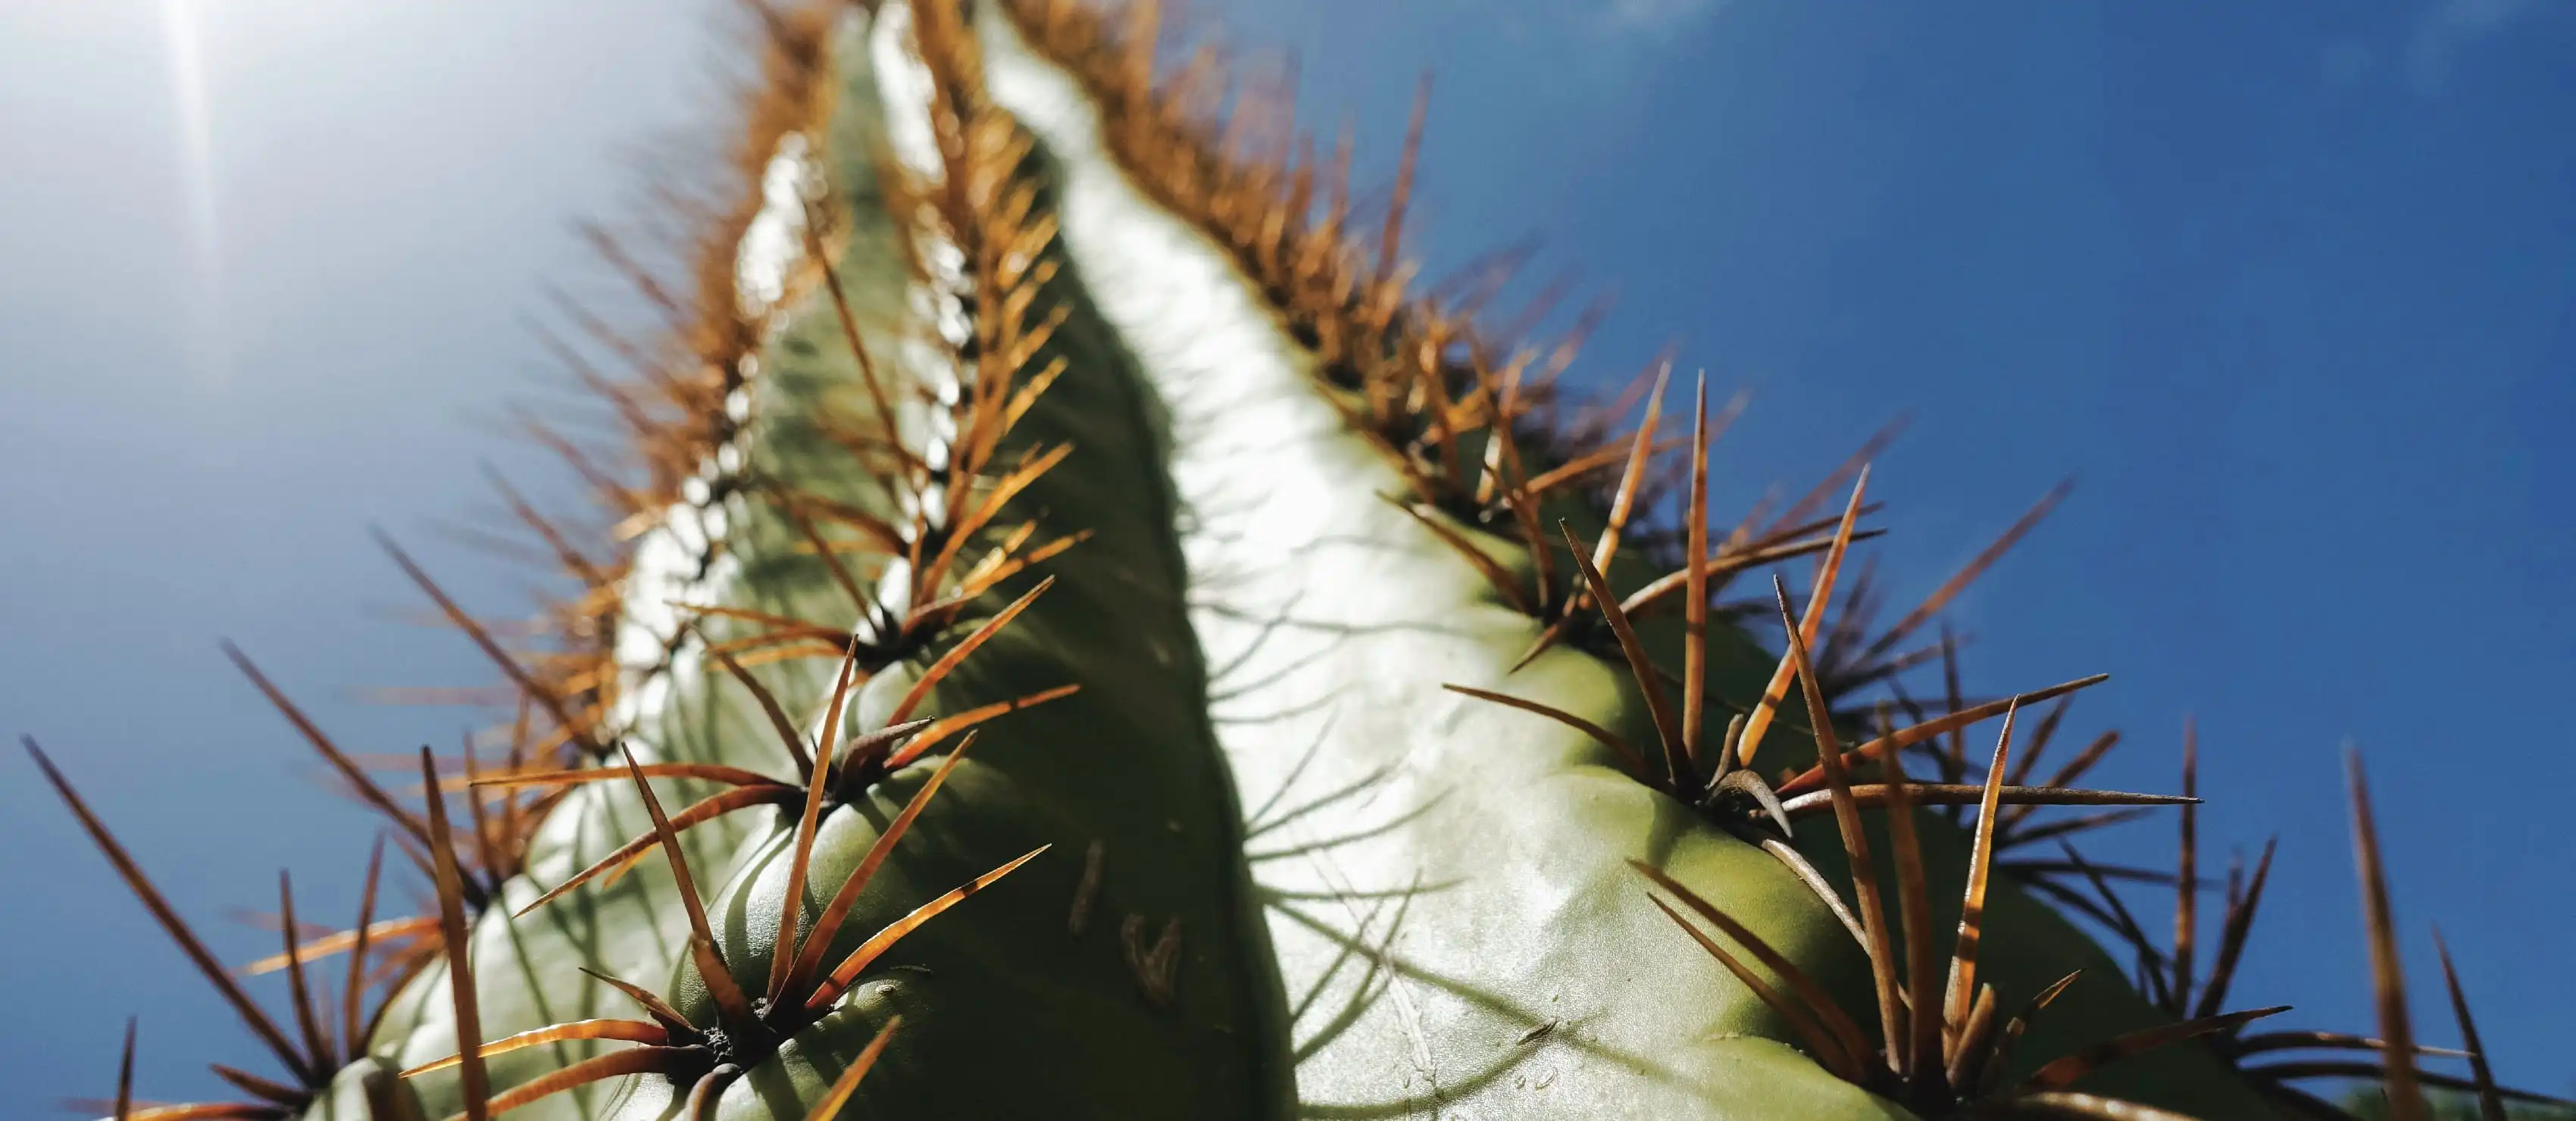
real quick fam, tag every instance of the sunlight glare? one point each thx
(184, 33)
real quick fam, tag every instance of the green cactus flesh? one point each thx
(1025, 449)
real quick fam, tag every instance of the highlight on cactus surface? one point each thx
(1044, 482)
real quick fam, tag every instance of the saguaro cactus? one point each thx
(1085, 636)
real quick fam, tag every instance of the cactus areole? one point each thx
(1086, 635)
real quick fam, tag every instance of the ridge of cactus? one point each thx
(1545, 928)
(1085, 632)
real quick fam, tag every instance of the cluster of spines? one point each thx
(309, 1057)
(2168, 974)
(1939, 1062)
(707, 1057)
(1942, 1041)
(1435, 398)
(1471, 418)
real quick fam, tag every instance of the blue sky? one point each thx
(2286, 288)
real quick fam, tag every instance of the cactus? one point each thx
(1086, 636)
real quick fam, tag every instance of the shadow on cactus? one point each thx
(1033, 444)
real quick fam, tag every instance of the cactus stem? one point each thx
(971, 218)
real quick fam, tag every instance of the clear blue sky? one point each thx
(2286, 287)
